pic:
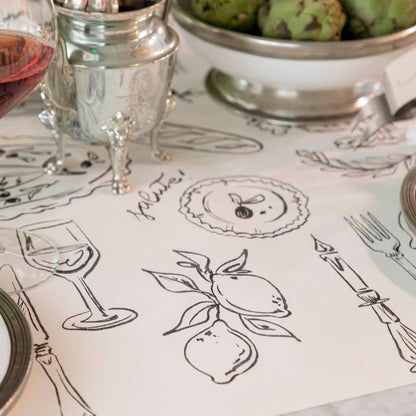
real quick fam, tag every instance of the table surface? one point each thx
(295, 191)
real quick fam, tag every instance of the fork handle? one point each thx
(406, 265)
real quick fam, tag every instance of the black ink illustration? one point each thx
(188, 95)
(153, 195)
(387, 135)
(370, 166)
(405, 227)
(220, 351)
(69, 399)
(279, 128)
(329, 126)
(243, 210)
(379, 239)
(367, 166)
(404, 337)
(269, 126)
(77, 259)
(201, 139)
(26, 189)
(245, 206)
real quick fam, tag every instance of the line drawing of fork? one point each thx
(379, 239)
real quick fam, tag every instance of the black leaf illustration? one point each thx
(234, 265)
(195, 315)
(265, 325)
(174, 282)
(199, 261)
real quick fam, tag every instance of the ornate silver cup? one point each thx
(109, 82)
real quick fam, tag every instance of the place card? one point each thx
(399, 82)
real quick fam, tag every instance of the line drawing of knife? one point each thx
(403, 336)
(69, 399)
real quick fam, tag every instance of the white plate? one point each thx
(15, 352)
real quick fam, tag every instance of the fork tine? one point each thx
(382, 229)
(361, 231)
(373, 229)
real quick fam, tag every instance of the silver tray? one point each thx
(15, 330)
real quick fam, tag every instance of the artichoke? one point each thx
(370, 18)
(321, 20)
(238, 15)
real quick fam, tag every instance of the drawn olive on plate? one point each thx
(242, 211)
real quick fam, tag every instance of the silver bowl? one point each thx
(290, 79)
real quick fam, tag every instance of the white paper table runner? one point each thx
(218, 264)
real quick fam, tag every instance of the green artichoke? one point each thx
(370, 18)
(238, 15)
(321, 20)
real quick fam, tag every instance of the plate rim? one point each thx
(20, 352)
(300, 220)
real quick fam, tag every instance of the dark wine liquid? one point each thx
(23, 61)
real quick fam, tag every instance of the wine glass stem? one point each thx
(89, 299)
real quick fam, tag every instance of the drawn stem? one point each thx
(90, 301)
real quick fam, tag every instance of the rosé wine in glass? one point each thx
(28, 36)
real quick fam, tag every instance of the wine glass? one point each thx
(28, 35)
(77, 259)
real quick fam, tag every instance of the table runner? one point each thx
(238, 279)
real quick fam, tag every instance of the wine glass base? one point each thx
(114, 317)
(26, 259)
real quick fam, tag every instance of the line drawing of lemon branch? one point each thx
(220, 351)
(370, 166)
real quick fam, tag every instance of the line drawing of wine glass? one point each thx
(78, 257)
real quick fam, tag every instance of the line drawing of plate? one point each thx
(26, 189)
(245, 206)
(16, 342)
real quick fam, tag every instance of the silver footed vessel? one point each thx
(109, 82)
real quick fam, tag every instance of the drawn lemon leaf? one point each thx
(265, 325)
(174, 282)
(200, 262)
(234, 265)
(195, 315)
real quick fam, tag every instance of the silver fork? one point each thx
(378, 238)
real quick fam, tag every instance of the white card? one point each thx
(399, 81)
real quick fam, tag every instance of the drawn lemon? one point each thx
(221, 352)
(248, 294)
